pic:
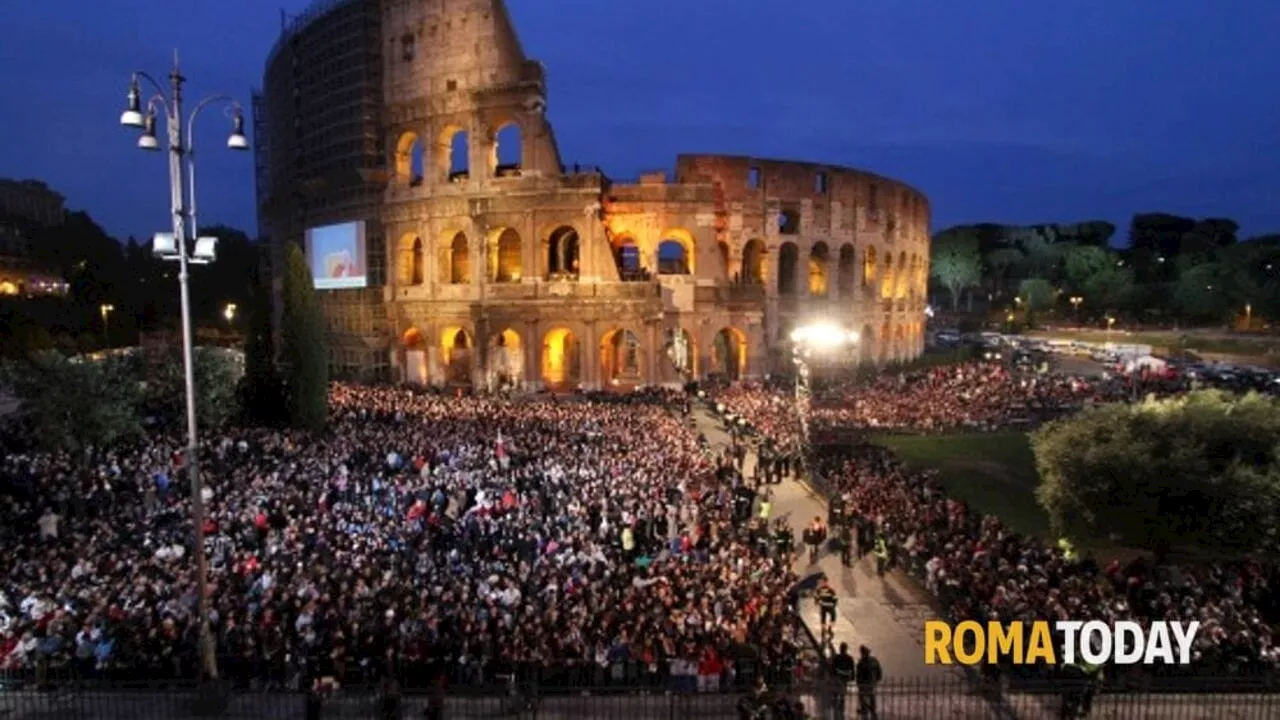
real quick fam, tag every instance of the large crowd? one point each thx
(976, 566)
(591, 540)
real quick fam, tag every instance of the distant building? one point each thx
(488, 260)
(27, 206)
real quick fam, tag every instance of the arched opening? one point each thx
(620, 358)
(416, 264)
(846, 270)
(411, 260)
(455, 153)
(506, 359)
(409, 159)
(819, 258)
(729, 353)
(885, 347)
(755, 263)
(459, 265)
(903, 277)
(922, 277)
(673, 258)
(507, 257)
(886, 280)
(869, 268)
(682, 352)
(789, 222)
(456, 356)
(562, 254)
(725, 258)
(630, 266)
(788, 259)
(900, 342)
(866, 345)
(414, 345)
(561, 359)
(507, 149)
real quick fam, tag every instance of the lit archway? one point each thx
(726, 260)
(884, 348)
(561, 359)
(413, 345)
(673, 258)
(507, 150)
(866, 345)
(729, 353)
(456, 355)
(413, 339)
(457, 268)
(453, 153)
(409, 159)
(755, 263)
(507, 256)
(412, 259)
(627, 256)
(903, 277)
(819, 259)
(887, 279)
(788, 259)
(846, 271)
(506, 359)
(869, 269)
(620, 358)
(562, 254)
(900, 342)
(682, 352)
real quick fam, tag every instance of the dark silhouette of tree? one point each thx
(305, 359)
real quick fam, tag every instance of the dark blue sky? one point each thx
(1001, 110)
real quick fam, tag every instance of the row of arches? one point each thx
(504, 257)
(620, 355)
(450, 156)
(897, 278)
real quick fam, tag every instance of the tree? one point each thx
(1201, 470)
(262, 394)
(216, 374)
(955, 263)
(75, 405)
(306, 362)
(1036, 293)
(1202, 292)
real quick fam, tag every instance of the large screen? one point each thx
(337, 256)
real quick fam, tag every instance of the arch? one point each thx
(620, 359)
(507, 255)
(682, 351)
(508, 148)
(563, 248)
(561, 359)
(630, 263)
(413, 345)
(409, 159)
(725, 259)
(456, 355)
(819, 260)
(457, 269)
(676, 252)
(866, 345)
(902, 278)
(412, 259)
(886, 279)
(453, 151)
(921, 277)
(869, 268)
(846, 270)
(789, 222)
(755, 263)
(900, 341)
(506, 359)
(413, 339)
(788, 259)
(884, 346)
(729, 353)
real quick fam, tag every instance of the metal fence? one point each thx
(1189, 699)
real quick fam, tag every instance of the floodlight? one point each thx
(206, 250)
(164, 246)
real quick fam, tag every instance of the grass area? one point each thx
(995, 473)
(1169, 341)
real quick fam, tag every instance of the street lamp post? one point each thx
(106, 310)
(804, 341)
(229, 312)
(1075, 307)
(174, 247)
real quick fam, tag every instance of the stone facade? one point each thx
(505, 267)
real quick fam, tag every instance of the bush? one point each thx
(1200, 471)
(306, 359)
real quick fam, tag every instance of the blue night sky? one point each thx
(1013, 111)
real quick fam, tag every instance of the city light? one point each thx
(823, 336)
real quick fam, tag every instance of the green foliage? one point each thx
(955, 263)
(75, 405)
(1200, 471)
(261, 392)
(306, 363)
(1036, 293)
(217, 373)
(1202, 292)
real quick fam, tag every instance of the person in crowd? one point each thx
(867, 675)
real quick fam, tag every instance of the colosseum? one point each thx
(492, 263)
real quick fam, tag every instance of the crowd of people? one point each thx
(584, 540)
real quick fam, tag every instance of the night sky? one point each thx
(1013, 111)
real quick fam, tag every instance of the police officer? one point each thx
(814, 536)
(784, 539)
(882, 554)
(1080, 684)
(827, 600)
(846, 545)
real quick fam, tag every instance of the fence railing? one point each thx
(1202, 698)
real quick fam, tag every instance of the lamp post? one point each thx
(1075, 307)
(174, 246)
(229, 312)
(804, 341)
(106, 311)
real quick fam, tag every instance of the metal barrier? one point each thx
(1194, 699)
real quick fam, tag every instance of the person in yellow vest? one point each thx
(766, 506)
(882, 555)
(628, 543)
(1068, 550)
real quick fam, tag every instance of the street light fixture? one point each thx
(822, 337)
(1075, 306)
(174, 246)
(229, 312)
(106, 311)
